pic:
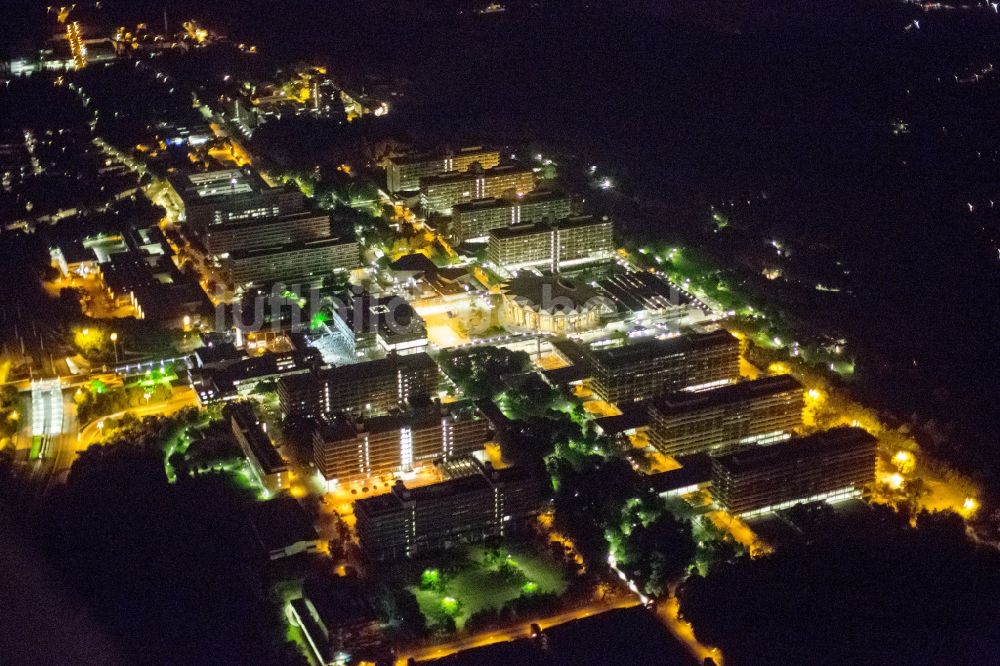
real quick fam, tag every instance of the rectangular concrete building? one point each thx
(472, 221)
(408, 522)
(440, 193)
(761, 411)
(250, 235)
(230, 195)
(346, 448)
(649, 367)
(404, 173)
(306, 262)
(265, 461)
(375, 387)
(827, 465)
(569, 242)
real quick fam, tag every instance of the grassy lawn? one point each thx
(479, 582)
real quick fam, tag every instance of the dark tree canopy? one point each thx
(874, 591)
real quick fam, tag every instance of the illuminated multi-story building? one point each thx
(648, 367)
(408, 522)
(404, 173)
(346, 448)
(441, 192)
(250, 235)
(309, 261)
(265, 461)
(572, 241)
(371, 325)
(230, 195)
(762, 411)
(374, 387)
(472, 221)
(825, 466)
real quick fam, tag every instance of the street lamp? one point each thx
(114, 343)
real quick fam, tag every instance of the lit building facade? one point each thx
(569, 242)
(309, 261)
(440, 193)
(265, 461)
(230, 195)
(345, 448)
(825, 466)
(408, 522)
(374, 387)
(762, 411)
(404, 173)
(250, 235)
(472, 221)
(649, 367)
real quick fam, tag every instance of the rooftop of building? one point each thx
(634, 415)
(298, 246)
(261, 445)
(265, 221)
(379, 367)
(438, 155)
(218, 352)
(683, 401)
(518, 230)
(472, 174)
(536, 196)
(580, 221)
(413, 262)
(553, 293)
(482, 481)
(339, 428)
(339, 601)
(694, 470)
(269, 364)
(531, 228)
(645, 348)
(219, 185)
(279, 523)
(810, 446)
(390, 314)
(641, 290)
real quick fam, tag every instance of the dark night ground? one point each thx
(797, 106)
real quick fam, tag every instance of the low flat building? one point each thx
(257, 234)
(440, 193)
(374, 387)
(230, 195)
(642, 369)
(226, 380)
(570, 242)
(281, 528)
(372, 325)
(337, 617)
(303, 262)
(473, 221)
(137, 270)
(762, 411)
(834, 464)
(552, 304)
(404, 173)
(346, 448)
(266, 463)
(408, 522)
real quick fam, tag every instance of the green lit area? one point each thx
(482, 580)
(319, 319)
